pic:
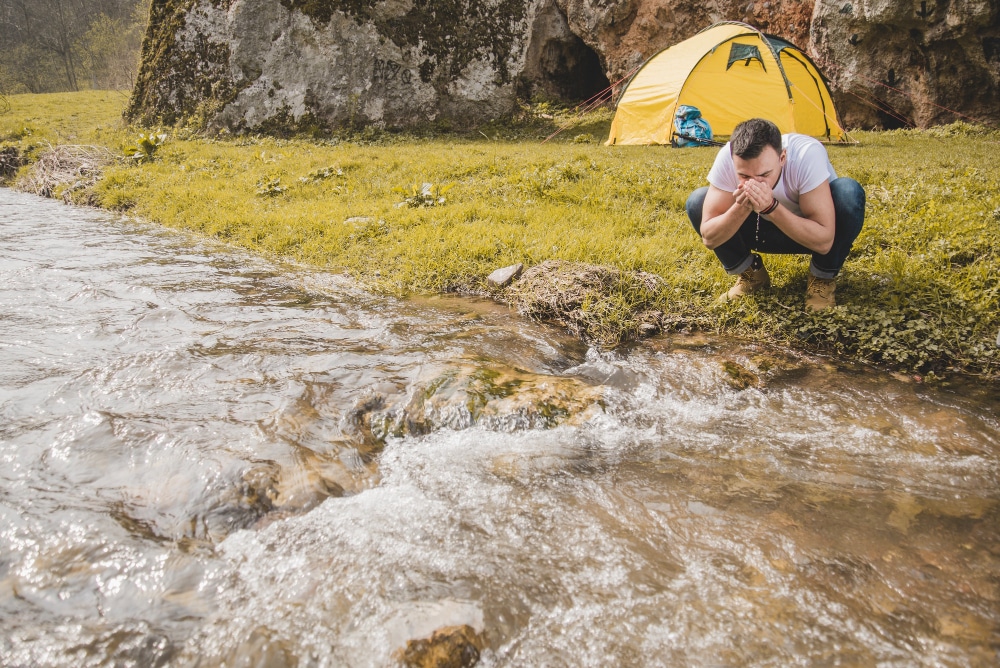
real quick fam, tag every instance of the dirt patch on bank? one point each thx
(11, 160)
(598, 303)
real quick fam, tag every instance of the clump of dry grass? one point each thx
(65, 170)
(597, 302)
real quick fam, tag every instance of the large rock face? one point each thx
(890, 63)
(916, 62)
(290, 64)
(281, 65)
(627, 33)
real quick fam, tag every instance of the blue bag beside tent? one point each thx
(690, 128)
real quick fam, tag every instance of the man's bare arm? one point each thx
(722, 215)
(815, 228)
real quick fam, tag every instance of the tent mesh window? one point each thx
(744, 52)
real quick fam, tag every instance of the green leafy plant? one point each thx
(270, 187)
(147, 146)
(419, 196)
(321, 174)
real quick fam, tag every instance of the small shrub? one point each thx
(419, 196)
(321, 174)
(147, 146)
(270, 188)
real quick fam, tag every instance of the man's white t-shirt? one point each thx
(806, 167)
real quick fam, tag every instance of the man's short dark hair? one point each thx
(750, 137)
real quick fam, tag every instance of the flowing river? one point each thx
(211, 459)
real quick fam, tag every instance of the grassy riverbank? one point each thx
(920, 293)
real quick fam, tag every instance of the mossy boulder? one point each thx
(300, 65)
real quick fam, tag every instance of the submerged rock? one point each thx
(262, 649)
(450, 647)
(495, 396)
(738, 376)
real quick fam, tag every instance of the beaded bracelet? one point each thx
(770, 207)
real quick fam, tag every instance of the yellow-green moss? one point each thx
(177, 84)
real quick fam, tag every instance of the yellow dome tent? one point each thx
(731, 72)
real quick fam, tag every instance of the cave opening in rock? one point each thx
(890, 122)
(571, 70)
(891, 119)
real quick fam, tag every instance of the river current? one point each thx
(208, 458)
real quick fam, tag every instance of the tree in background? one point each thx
(27, 70)
(59, 45)
(110, 49)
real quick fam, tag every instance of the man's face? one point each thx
(765, 168)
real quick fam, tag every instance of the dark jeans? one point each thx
(735, 254)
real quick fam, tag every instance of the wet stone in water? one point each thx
(738, 376)
(450, 647)
(497, 397)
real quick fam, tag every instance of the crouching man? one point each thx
(777, 194)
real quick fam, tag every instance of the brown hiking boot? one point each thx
(819, 293)
(749, 281)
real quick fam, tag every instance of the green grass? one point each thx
(62, 118)
(920, 293)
